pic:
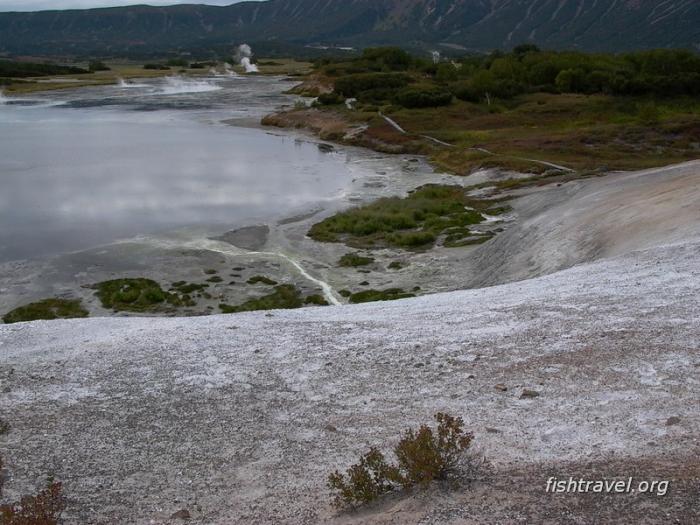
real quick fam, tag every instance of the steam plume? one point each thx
(243, 55)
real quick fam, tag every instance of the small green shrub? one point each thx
(210, 271)
(135, 295)
(330, 99)
(369, 296)
(215, 279)
(352, 85)
(366, 481)
(423, 98)
(316, 299)
(396, 265)
(345, 293)
(47, 309)
(423, 456)
(354, 259)
(285, 296)
(157, 67)
(262, 279)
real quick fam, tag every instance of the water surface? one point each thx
(89, 166)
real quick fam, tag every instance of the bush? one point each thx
(330, 99)
(157, 67)
(262, 279)
(423, 98)
(135, 295)
(354, 259)
(285, 296)
(423, 456)
(96, 65)
(370, 296)
(351, 85)
(47, 309)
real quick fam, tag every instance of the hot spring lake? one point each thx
(89, 166)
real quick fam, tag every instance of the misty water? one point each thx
(89, 166)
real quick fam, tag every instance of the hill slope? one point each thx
(474, 24)
(240, 418)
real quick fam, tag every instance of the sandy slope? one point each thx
(240, 418)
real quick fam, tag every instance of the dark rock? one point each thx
(673, 420)
(183, 514)
(529, 394)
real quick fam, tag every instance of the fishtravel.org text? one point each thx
(606, 486)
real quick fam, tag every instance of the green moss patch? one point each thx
(412, 222)
(316, 299)
(47, 309)
(351, 260)
(390, 294)
(285, 296)
(140, 295)
(262, 280)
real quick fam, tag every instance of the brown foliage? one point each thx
(43, 509)
(423, 456)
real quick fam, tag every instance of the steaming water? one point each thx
(85, 167)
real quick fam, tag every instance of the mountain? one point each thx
(594, 25)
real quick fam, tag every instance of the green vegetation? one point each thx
(396, 265)
(47, 309)
(215, 279)
(352, 260)
(143, 295)
(10, 68)
(316, 299)
(184, 287)
(423, 456)
(411, 222)
(370, 296)
(210, 271)
(96, 65)
(285, 296)
(262, 279)
(156, 67)
(518, 110)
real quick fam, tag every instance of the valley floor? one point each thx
(240, 418)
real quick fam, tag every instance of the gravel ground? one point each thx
(240, 418)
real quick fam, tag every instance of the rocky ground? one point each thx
(240, 418)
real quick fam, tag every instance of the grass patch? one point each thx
(215, 279)
(411, 222)
(396, 265)
(316, 299)
(354, 260)
(369, 296)
(184, 287)
(47, 309)
(143, 295)
(262, 280)
(285, 296)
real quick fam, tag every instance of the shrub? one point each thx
(47, 309)
(354, 260)
(262, 279)
(316, 299)
(370, 296)
(96, 65)
(352, 85)
(330, 99)
(366, 481)
(423, 456)
(423, 98)
(285, 296)
(134, 295)
(157, 67)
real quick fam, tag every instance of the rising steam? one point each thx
(243, 55)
